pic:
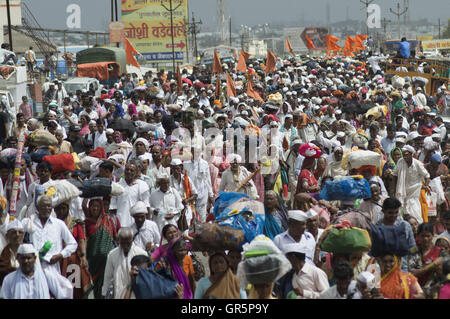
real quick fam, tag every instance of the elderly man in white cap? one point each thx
(118, 265)
(8, 257)
(233, 178)
(29, 281)
(410, 174)
(43, 228)
(165, 202)
(146, 233)
(199, 170)
(297, 233)
(308, 281)
(185, 187)
(290, 159)
(135, 190)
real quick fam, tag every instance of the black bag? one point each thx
(151, 284)
(96, 187)
(262, 269)
(389, 240)
(182, 221)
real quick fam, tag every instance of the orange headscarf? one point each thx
(397, 284)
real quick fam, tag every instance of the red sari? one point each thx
(312, 181)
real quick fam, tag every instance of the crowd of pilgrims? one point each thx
(134, 134)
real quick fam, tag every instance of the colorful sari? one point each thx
(85, 286)
(100, 242)
(305, 174)
(178, 272)
(419, 260)
(397, 284)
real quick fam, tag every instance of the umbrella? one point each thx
(124, 125)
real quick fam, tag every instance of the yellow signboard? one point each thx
(431, 45)
(148, 28)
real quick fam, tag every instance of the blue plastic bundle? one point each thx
(346, 188)
(251, 228)
(225, 199)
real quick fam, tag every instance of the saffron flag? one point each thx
(241, 66)
(270, 62)
(130, 51)
(179, 82)
(331, 41)
(348, 47)
(231, 87)
(289, 47)
(309, 43)
(359, 41)
(217, 66)
(251, 92)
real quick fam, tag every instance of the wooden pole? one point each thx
(8, 13)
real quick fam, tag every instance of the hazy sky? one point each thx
(95, 14)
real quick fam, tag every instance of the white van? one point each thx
(83, 84)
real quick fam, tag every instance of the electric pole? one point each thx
(439, 26)
(171, 9)
(8, 13)
(367, 3)
(193, 30)
(230, 33)
(399, 13)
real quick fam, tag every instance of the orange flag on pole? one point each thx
(231, 87)
(309, 43)
(251, 92)
(217, 66)
(359, 41)
(130, 51)
(289, 47)
(348, 47)
(241, 66)
(270, 62)
(331, 41)
(179, 82)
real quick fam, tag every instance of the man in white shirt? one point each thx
(442, 129)
(198, 168)
(308, 281)
(235, 175)
(145, 232)
(118, 264)
(135, 190)
(373, 61)
(420, 98)
(165, 202)
(297, 233)
(29, 281)
(44, 228)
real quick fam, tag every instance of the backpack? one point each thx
(389, 240)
